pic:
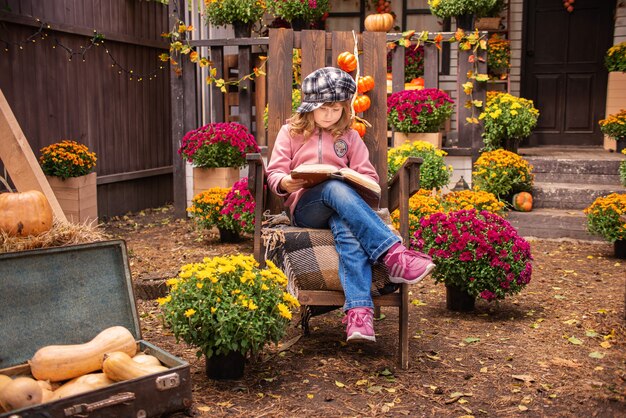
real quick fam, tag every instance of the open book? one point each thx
(317, 173)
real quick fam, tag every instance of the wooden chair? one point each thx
(320, 49)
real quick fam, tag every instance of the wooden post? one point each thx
(20, 161)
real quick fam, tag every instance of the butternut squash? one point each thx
(72, 388)
(4, 379)
(82, 384)
(63, 362)
(143, 358)
(19, 393)
(119, 366)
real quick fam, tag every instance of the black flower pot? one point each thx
(225, 366)
(459, 300)
(242, 29)
(229, 236)
(299, 24)
(510, 144)
(619, 247)
(465, 22)
(620, 145)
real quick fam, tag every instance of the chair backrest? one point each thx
(320, 49)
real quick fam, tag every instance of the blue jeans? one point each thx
(361, 237)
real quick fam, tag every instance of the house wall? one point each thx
(620, 23)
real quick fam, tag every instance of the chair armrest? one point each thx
(256, 183)
(403, 185)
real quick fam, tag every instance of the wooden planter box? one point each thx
(434, 138)
(615, 93)
(78, 197)
(206, 178)
(488, 23)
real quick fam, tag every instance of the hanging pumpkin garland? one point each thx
(569, 5)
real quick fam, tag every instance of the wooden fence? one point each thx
(60, 86)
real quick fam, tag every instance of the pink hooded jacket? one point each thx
(289, 152)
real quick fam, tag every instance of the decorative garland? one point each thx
(179, 44)
(97, 40)
(466, 42)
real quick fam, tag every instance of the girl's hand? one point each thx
(290, 185)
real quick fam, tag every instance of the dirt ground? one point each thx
(557, 349)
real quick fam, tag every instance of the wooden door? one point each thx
(563, 68)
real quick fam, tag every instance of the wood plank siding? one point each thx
(59, 88)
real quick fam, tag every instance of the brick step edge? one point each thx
(552, 224)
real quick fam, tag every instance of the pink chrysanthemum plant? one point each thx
(477, 252)
(218, 145)
(238, 208)
(418, 110)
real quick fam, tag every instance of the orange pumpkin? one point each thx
(359, 127)
(418, 81)
(366, 83)
(379, 22)
(347, 61)
(361, 103)
(26, 213)
(523, 202)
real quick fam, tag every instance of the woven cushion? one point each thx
(310, 261)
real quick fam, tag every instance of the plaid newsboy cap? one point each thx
(326, 85)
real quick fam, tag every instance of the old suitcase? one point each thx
(67, 295)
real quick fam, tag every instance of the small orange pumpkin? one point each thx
(361, 103)
(359, 127)
(379, 22)
(26, 213)
(347, 61)
(523, 202)
(366, 83)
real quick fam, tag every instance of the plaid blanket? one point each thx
(309, 260)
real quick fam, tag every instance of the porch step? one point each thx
(570, 195)
(552, 224)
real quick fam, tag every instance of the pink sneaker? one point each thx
(407, 266)
(360, 324)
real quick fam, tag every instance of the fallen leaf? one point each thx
(339, 384)
(361, 382)
(564, 362)
(470, 340)
(571, 322)
(605, 344)
(574, 340)
(310, 395)
(523, 377)
(596, 354)
(203, 408)
(522, 408)
(591, 333)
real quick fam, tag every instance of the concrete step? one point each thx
(594, 170)
(570, 195)
(552, 223)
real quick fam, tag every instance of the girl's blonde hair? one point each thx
(304, 124)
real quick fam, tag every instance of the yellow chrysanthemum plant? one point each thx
(206, 208)
(607, 217)
(426, 202)
(615, 125)
(67, 159)
(434, 173)
(502, 173)
(507, 118)
(228, 304)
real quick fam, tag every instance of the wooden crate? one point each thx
(206, 178)
(78, 197)
(616, 93)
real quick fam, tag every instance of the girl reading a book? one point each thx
(320, 133)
